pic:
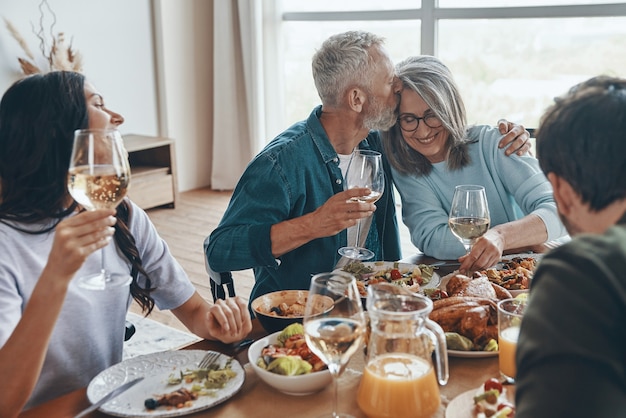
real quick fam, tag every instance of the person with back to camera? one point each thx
(571, 352)
(55, 336)
(432, 149)
(304, 215)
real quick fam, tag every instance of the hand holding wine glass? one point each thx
(365, 170)
(469, 214)
(336, 334)
(99, 176)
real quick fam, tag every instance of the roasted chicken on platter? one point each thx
(470, 310)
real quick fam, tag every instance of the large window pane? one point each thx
(301, 40)
(347, 5)
(514, 68)
(516, 3)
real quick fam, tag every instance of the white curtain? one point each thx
(241, 51)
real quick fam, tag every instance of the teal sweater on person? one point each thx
(515, 187)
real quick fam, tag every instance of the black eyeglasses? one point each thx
(409, 122)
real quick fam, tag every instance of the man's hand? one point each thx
(336, 214)
(516, 138)
(340, 212)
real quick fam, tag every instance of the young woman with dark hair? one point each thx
(55, 336)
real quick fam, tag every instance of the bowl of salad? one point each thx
(284, 361)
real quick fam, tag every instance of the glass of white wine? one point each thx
(336, 334)
(364, 170)
(469, 214)
(99, 176)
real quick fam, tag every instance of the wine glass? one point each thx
(99, 176)
(469, 214)
(364, 170)
(334, 334)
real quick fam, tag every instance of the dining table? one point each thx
(257, 399)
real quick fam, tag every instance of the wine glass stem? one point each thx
(358, 233)
(103, 270)
(335, 394)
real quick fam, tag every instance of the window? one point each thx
(509, 61)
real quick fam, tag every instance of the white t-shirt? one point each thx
(344, 161)
(89, 334)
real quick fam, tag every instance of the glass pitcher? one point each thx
(399, 378)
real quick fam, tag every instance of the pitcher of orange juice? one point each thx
(399, 377)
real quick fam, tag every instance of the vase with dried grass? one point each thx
(59, 54)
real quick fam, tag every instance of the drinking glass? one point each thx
(99, 176)
(510, 314)
(469, 214)
(364, 170)
(335, 334)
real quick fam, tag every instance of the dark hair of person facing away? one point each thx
(582, 138)
(38, 117)
(433, 82)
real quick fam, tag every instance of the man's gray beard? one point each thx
(380, 117)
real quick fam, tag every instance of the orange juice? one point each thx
(507, 343)
(398, 385)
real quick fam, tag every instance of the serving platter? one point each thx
(379, 266)
(472, 354)
(156, 368)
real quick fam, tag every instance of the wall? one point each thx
(121, 52)
(115, 39)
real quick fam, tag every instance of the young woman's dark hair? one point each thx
(38, 117)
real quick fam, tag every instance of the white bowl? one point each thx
(303, 384)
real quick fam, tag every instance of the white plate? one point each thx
(463, 405)
(156, 368)
(387, 265)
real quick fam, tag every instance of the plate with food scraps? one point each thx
(463, 406)
(165, 373)
(411, 276)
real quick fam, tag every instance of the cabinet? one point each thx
(153, 170)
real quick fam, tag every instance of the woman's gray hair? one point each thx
(344, 60)
(433, 82)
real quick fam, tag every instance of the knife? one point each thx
(106, 398)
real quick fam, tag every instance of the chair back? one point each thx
(221, 283)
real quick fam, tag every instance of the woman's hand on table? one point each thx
(486, 252)
(229, 320)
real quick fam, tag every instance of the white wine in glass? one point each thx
(364, 170)
(469, 214)
(336, 334)
(99, 176)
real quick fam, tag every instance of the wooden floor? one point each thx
(185, 227)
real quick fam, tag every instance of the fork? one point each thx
(209, 359)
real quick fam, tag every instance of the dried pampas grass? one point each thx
(61, 55)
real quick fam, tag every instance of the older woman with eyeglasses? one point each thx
(432, 150)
